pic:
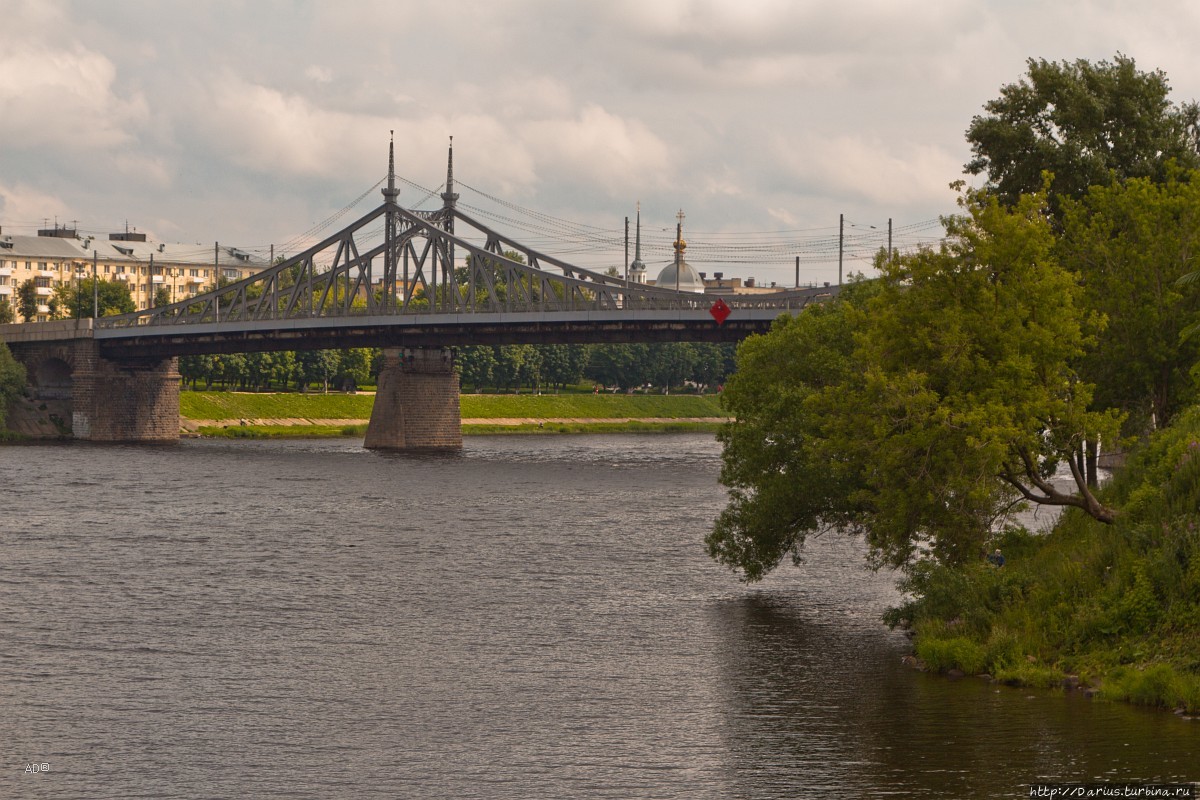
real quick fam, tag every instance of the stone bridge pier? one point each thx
(416, 402)
(74, 391)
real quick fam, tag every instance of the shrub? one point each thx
(942, 655)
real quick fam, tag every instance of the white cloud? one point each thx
(600, 150)
(64, 96)
(28, 206)
(318, 74)
(870, 169)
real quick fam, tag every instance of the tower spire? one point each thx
(449, 197)
(637, 270)
(391, 192)
(637, 248)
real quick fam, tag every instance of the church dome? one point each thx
(689, 279)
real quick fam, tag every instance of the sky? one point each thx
(251, 122)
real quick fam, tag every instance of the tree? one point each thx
(6, 311)
(354, 367)
(195, 368)
(162, 296)
(563, 364)
(955, 399)
(1131, 243)
(475, 365)
(781, 485)
(27, 300)
(316, 366)
(1088, 124)
(671, 363)
(77, 300)
(12, 381)
(623, 365)
(510, 369)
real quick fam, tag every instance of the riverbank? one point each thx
(1113, 610)
(287, 415)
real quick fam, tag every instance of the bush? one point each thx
(942, 655)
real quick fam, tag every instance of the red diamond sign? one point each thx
(720, 312)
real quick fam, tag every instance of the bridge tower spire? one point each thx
(450, 197)
(389, 254)
(391, 192)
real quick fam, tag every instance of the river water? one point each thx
(533, 618)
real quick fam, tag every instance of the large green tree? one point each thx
(77, 299)
(1087, 123)
(1131, 243)
(955, 399)
(27, 300)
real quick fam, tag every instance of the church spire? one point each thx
(637, 270)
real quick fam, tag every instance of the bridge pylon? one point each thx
(416, 402)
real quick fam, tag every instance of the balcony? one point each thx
(194, 279)
(6, 271)
(123, 276)
(6, 290)
(43, 309)
(46, 273)
(156, 278)
(44, 291)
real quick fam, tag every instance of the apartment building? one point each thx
(58, 256)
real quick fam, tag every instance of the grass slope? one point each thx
(237, 405)
(1115, 606)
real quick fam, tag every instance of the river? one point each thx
(535, 617)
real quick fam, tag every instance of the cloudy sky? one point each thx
(251, 122)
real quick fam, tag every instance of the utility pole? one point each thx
(216, 281)
(841, 243)
(797, 272)
(889, 258)
(95, 287)
(678, 247)
(153, 291)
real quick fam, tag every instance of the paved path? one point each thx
(192, 425)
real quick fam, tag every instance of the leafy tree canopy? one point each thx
(1085, 123)
(919, 410)
(77, 300)
(1131, 243)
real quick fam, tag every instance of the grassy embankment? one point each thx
(1114, 607)
(588, 413)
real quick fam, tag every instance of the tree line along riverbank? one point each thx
(270, 415)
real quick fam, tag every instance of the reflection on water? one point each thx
(534, 617)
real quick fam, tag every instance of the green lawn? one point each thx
(237, 405)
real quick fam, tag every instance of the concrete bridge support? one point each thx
(75, 392)
(416, 404)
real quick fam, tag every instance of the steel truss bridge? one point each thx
(406, 278)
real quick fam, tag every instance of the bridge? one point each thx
(415, 283)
